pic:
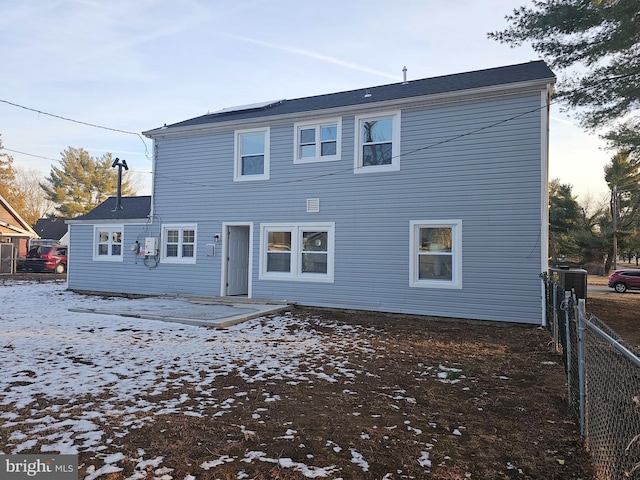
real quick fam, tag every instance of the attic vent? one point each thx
(313, 205)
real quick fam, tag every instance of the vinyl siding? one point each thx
(469, 161)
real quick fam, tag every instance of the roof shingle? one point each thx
(133, 208)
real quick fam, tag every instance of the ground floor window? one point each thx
(178, 244)
(436, 254)
(297, 252)
(108, 242)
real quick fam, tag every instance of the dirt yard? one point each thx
(379, 397)
(438, 400)
(429, 398)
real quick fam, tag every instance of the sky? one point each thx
(134, 66)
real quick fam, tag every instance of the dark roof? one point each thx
(133, 208)
(523, 72)
(50, 228)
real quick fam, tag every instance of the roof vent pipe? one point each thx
(119, 163)
(404, 75)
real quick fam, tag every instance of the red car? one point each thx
(623, 280)
(47, 258)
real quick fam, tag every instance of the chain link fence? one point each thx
(603, 378)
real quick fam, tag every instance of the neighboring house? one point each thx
(52, 231)
(423, 197)
(15, 234)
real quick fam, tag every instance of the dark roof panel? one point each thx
(50, 228)
(523, 72)
(133, 208)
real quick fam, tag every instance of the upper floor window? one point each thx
(108, 243)
(179, 243)
(318, 141)
(251, 154)
(378, 142)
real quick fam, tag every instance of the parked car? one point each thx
(623, 280)
(47, 258)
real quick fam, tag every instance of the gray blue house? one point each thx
(423, 197)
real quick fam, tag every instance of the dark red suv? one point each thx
(47, 258)
(623, 280)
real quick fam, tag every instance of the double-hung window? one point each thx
(318, 141)
(108, 243)
(252, 154)
(301, 252)
(178, 244)
(436, 254)
(378, 142)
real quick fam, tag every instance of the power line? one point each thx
(146, 149)
(67, 119)
(29, 154)
(410, 152)
(55, 159)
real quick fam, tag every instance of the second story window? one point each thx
(251, 155)
(378, 145)
(318, 141)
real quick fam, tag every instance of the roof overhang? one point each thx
(109, 221)
(8, 230)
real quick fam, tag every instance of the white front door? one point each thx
(238, 260)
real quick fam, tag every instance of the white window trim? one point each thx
(318, 124)
(96, 242)
(456, 252)
(237, 153)
(296, 230)
(395, 143)
(179, 258)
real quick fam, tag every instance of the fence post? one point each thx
(567, 343)
(581, 366)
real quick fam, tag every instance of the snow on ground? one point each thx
(46, 350)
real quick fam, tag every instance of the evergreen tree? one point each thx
(599, 42)
(564, 219)
(82, 182)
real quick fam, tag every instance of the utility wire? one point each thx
(29, 154)
(410, 152)
(146, 149)
(56, 159)
(67, 119)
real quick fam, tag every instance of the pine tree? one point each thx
(564, 219)
(596, 43)
(82, 182)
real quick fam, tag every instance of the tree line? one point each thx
(595, 235)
